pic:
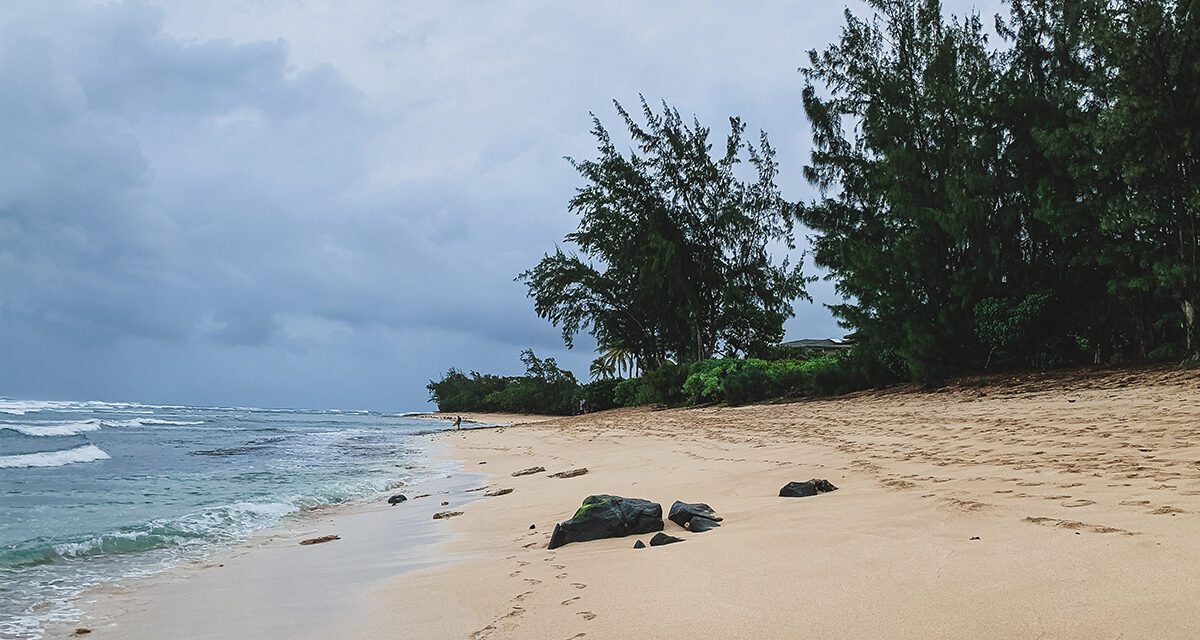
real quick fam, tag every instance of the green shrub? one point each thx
(625, 392)
(706, 381)
(789, 377)
(598, 395)
(750, 382)
(543, 389)
(663, 385)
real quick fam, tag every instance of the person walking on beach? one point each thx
(458, 422)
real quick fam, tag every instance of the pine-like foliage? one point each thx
(672, 258)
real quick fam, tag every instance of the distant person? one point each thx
(582, 406)
(458, 422)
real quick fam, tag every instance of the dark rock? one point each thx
(533, 526)
(700, 524)
(660, 539)
(397, 499)
(639, 545)
(804, 489)
(529, 471)
(82, 631)
(483, 462)
(498, 492)
(445, 503)
(569, 474)
(320, 540)
(824, 486)
(605, 516)
(682, 512)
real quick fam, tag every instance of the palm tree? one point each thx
(619, 360)
(601, 369)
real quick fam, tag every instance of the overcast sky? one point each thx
(324, 204)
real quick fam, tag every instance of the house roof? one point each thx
(819, 343)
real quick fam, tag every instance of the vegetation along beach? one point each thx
(515, 322)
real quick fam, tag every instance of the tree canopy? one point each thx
(672, 257)
(964, 185)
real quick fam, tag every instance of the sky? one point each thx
(324, 204)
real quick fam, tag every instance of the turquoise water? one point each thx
(93, 491)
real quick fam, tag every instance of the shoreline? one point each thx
(1062, 507)
(181, 596)
(488, 419)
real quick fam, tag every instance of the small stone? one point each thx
(423, 495)
(82, 631)
(682, 512)
(660, 539)
(805, 489)
(397, 499)
(444, 503)
(700, 524)
(442, 515)
(639, 545)
(482, 463)
(569, 474)
(498, 492)
(529, 471)
(329, 538)
(533, 526)
(974, 537)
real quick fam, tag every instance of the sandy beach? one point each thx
(1058, 505)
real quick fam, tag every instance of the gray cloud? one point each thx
(325, 205)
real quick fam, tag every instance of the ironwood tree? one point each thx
(671, 256)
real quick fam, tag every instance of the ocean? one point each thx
(92, 492)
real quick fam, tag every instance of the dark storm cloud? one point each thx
(326, 204)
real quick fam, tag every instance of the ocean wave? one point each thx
(47, 429)
(86, 453)
(150, 422)
(194, 530)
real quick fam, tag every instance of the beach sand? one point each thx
(1055, 506)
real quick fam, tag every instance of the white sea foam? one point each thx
(149, 422)
(45, 429)
(86, 453)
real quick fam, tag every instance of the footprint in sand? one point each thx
(1162, 511)
(521, 596)
(587, 615)
(578, 635)
(483, 633)
(533, 581)
(531, 544)
(579, 585)
(561, 576)
(1079, 503)
(1135, 503)
(569, 600)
